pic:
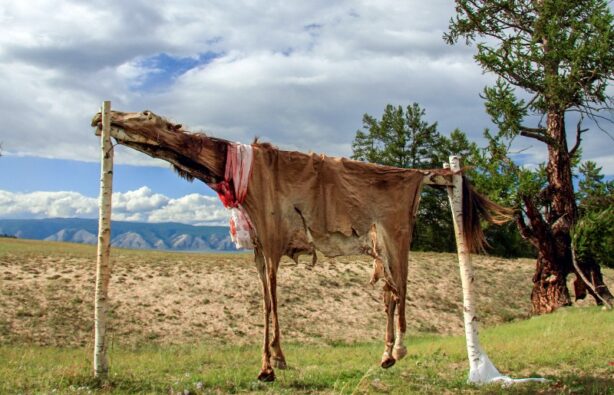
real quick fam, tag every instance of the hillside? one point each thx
(136, 235)
(46, 296)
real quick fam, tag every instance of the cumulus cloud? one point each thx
(46, 204)
(299, 74)
(142, 199)
(141, 205)
(193, 208)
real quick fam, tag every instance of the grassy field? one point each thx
(573, 348)
(191, 322)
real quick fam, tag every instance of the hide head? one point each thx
(193, 155)
(136, 127)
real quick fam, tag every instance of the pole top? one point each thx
(455, 163)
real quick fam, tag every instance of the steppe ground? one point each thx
(47, 293)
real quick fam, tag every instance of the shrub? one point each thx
(593, 237)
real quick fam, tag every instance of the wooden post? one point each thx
(481, 370)
(103, 268)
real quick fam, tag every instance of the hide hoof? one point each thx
(267, 376)
(399, 352)
(387, 362)
(278, 363)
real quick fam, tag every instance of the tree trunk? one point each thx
(592, 273)
(549, 286)
(551, 228)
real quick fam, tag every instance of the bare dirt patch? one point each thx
(47, 293)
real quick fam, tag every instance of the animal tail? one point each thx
(477, 207)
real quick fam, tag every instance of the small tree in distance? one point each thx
(594, 194)
(402, 138)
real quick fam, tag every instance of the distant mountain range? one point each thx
(162, 236)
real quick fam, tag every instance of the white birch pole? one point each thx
(481, 369)
(103, 268)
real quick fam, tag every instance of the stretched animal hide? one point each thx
(299, 203)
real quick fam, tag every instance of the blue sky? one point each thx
(165, 69)
(298, 74)
(30, 174)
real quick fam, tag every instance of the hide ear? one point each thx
(97, 120)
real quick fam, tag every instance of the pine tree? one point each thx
(402, 138)
(594, 194)
(558, 55)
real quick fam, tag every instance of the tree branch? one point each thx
(579, 132)
(525, 231)
(530, 103)
(538, 225)
(591, 113)
(580, 273)
(478, 25)
(518, 24)
(537, 134)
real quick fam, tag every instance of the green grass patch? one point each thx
(573, 348)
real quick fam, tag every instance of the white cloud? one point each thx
(299, 74)
(194, 209)
(142, 199)
(142, 205)
(46, 204)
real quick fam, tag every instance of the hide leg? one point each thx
(381, 262)
(400, 350)
(266, 372)
(277, 358)
(387, 358)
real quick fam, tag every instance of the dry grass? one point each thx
(46, 296)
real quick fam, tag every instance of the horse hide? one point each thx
(299, 203)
